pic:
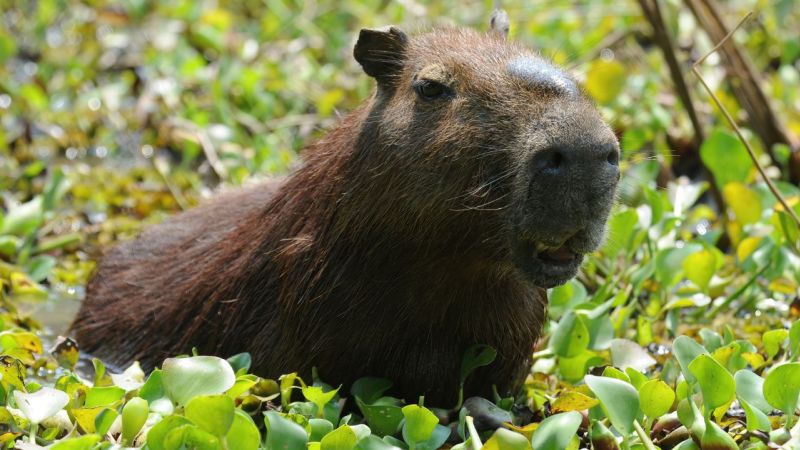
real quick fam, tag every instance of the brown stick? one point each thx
(652, 12)
(789, 210)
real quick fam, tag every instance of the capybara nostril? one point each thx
(613, 157)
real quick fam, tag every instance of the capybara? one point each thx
(432, 218)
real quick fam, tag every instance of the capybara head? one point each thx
(490, 144)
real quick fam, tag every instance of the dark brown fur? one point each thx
(392, 249)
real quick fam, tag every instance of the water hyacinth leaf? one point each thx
(84, 442)
(605, 80)
(243, 433)
(283, 434)
(744, 202)
(23, 219)
(564, 297)
(669, 262)
(103, 396)
(573, 401)
(773, 340)
(628, 354)
(134, 415)
(620, 232)
(158, 433)
(656, 398)
(716, 383)
(557, 431)
(212, 413)
(185, 378)
(602, 438)
(319, 428)
(476, 356)
(342, 438)
(782, 387)
(318, 396)
(419, 425)
(504, 439)
(794, 339)
(716, 438)
(240, 361)
(104, 420)
(42, 404)
(382, 419)
(699, 267)
(756, 419)
(619, 400)
(726, 157)
(686, 350)
(373, 442)
(750, 388)
(370, 389)
(571, 337)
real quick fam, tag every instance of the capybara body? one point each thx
(431, 219)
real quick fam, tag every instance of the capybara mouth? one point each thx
(547, 265)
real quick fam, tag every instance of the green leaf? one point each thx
(794, 339)
(134, 415)
(476, 356)
(23, 219)
(342, 438)
(319, 428)
(104, 420)
(419, 424)
(686, 350)
(103, 396)
(620, 232)
(557, 431)
(571, 337)
(773, 340)
(715, 381)
(715, 438)
(383, 419)
(318, 396)
(370, 389)
(243, 434)
(605, 80)
(756, 419)
(185, 378)
(159, 432)
(504, 439)
(700, 267)
(726, 157)
(212, 413)
(283, 434)
(656, 398)
(85, 442)
(744, 202)
(619, 400)
(782, 387)
(750, 388)
(669, 263)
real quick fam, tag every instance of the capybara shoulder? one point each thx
(432, 218)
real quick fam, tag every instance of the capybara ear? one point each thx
(499, 23)
(381, 52)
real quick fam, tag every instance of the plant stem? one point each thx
(648, 444)
(473, 434)
(34, 429)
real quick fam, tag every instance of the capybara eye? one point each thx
(430, 90)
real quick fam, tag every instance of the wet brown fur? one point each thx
(387, 253)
